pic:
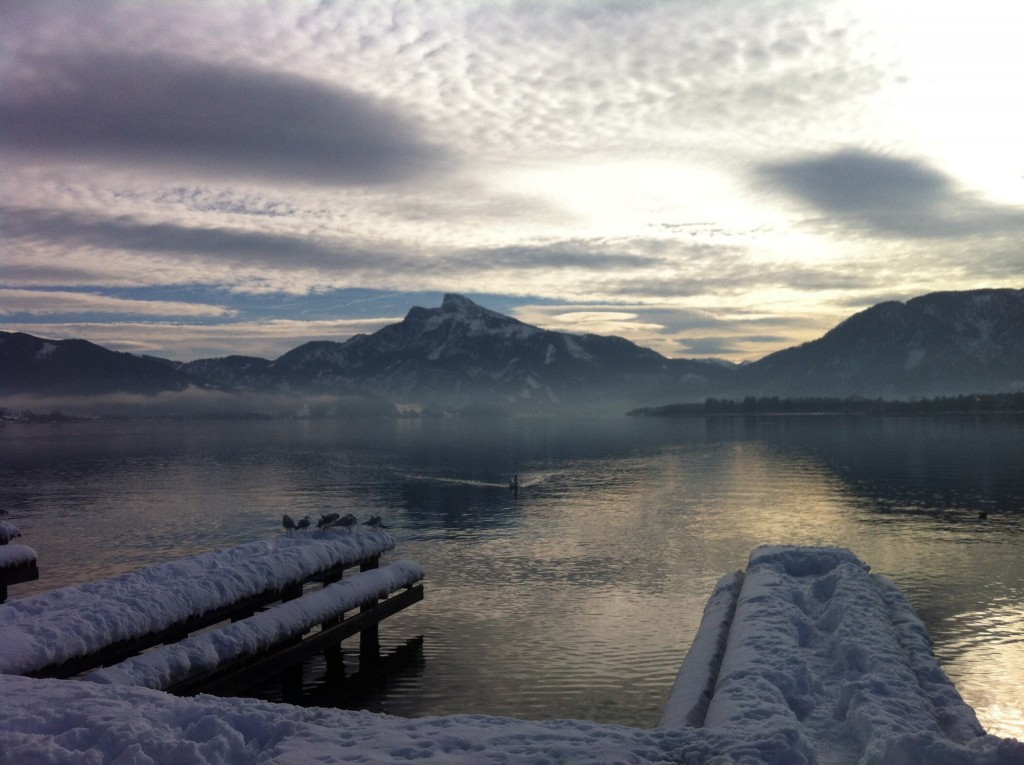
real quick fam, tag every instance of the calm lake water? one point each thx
(579, 598)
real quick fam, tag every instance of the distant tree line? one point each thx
(27, 415)
(969, 404)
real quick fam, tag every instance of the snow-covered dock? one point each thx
(809, 645)
(805, 658)
(72, 630)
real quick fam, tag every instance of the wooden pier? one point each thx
(221, 622)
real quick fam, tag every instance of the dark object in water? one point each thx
(376, 522)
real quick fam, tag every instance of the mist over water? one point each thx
(579, 597)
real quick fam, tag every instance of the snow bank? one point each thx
(823, 662)
(69, 722)
(55, 626)
(177, 662)
(12, 556)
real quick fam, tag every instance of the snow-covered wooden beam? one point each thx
(8, 531)
(194, 663)
(17, 565)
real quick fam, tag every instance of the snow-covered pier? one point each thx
(218, 622)
(809, 645)
(806, 657)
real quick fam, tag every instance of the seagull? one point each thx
(304, 523)
(348, 521)
(287, 522)
(376, 523)
(326, 521)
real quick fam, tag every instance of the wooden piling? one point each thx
(369, 637)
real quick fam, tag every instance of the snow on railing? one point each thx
(174, 663)
(12, 556)
(8, 531)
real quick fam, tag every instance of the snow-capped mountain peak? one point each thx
(452, 303)
(462, 353)
(460, 316)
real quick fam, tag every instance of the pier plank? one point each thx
(243, 673)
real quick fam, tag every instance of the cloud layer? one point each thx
(208, 120)
(713, 178)
(891, 196)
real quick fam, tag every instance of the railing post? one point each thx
(291, 678)
(369, 638)
(333, 662)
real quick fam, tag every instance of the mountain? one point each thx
(462, 354)
(943, 343)
(78, 367)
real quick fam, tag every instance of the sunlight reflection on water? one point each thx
(580, 597)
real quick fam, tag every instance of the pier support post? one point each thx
(291, 678)
(369, 638)
(333, 661)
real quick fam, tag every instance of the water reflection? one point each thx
(986, 650)
(579, 597)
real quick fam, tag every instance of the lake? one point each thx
(579, 597)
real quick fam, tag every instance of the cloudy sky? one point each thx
(705, 177)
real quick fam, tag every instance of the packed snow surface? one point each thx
(805, 658)
(827, 655)
(55, 626)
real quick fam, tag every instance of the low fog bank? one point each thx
(194, 403)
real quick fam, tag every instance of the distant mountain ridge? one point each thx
(30, 364)
(942, 343)
(463, 356)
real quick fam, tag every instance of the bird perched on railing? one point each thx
(348, 521)
(304, 523)
(326, 521)
(375, 523)
(287, 522)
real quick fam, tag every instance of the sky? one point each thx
(708, 179)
